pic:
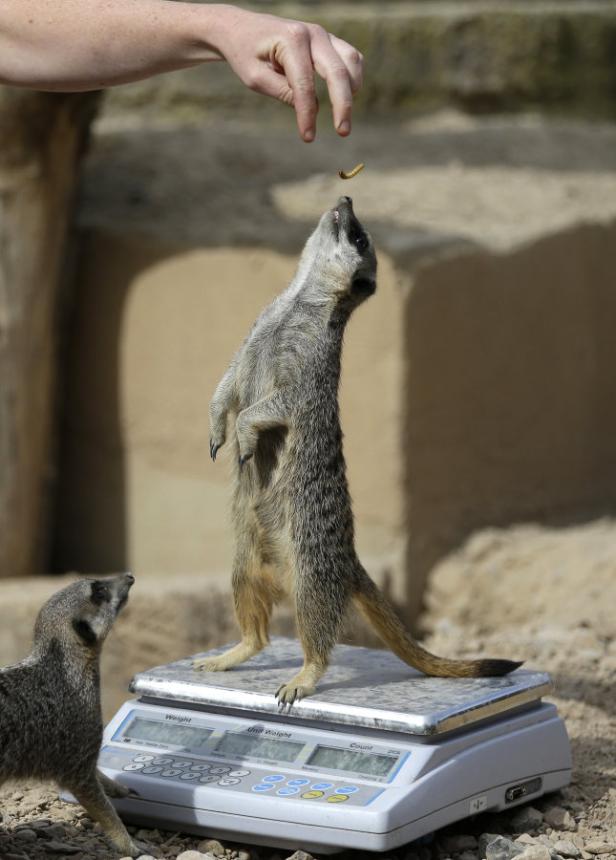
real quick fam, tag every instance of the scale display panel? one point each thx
(174, 734)
(238, 744)
(211, 753)
(369, 764)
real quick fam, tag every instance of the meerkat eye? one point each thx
(361, 243)
(100, 592)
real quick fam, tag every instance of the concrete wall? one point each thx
(510, 391)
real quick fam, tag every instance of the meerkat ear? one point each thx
(84, 630)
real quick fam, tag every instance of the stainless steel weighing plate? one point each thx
(362, 688)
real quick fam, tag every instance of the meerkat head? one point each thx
(83, 613)
(339, 257)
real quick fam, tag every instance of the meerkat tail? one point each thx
(376, 609)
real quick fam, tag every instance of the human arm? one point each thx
(80, 45)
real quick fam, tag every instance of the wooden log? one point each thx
(42, 137)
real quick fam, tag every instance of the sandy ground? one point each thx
(545, 596)
(495, 181)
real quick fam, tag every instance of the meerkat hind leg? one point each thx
(254, 597)
(304, 683)
(318, 618)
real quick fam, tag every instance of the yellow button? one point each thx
(337, 798)
(309, 795)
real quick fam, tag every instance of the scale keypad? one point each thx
(186, 771)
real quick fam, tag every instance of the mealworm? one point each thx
(344, 175)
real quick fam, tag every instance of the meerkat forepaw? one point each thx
(215, 447)
(244, 458)
(116, 790)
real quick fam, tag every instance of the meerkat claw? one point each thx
(244, 459)
(214, 448)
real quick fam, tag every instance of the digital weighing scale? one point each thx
(378, 756)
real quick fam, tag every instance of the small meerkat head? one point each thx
(339, 256)
(83, 613)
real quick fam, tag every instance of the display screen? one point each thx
(174, 734)
(354, 762)
(235, 744)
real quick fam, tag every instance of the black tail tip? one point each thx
(494, 668)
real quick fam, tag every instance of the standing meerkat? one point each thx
(50, 714)
(291, 508)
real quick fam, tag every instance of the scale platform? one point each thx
(378, 756)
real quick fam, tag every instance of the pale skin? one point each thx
(81, 45)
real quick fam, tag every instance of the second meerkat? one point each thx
(291, 508)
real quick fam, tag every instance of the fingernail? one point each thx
(309, 135)
(344, 127)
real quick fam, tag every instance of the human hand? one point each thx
(278, 57)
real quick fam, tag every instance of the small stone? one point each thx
(459, 842)
(536, 852)
(146, 857)
(25, 835)
(193, 855)
(502, 848)
(243, 855)
(526, 818)
(467, 855)
(39, 824)
(54, 831)
(484, 841)
(300, 855)
(211, 846)
(566, 848)
(54, 847)
(597, 847)
(526, 839)
(559, 818)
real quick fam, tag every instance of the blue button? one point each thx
(262, 787)
(276, 778)
(285, 792)
(346, 789)
(298, 782)
(321, 786)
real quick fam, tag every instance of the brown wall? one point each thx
(510, 390)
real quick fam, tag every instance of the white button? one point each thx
(171, 772)
(144, 758)
(206, 779)
(189, 776)
(151, 769)
(240, 773)
(226, 780)
(133, 766)
(220, 769)
(200, 767)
